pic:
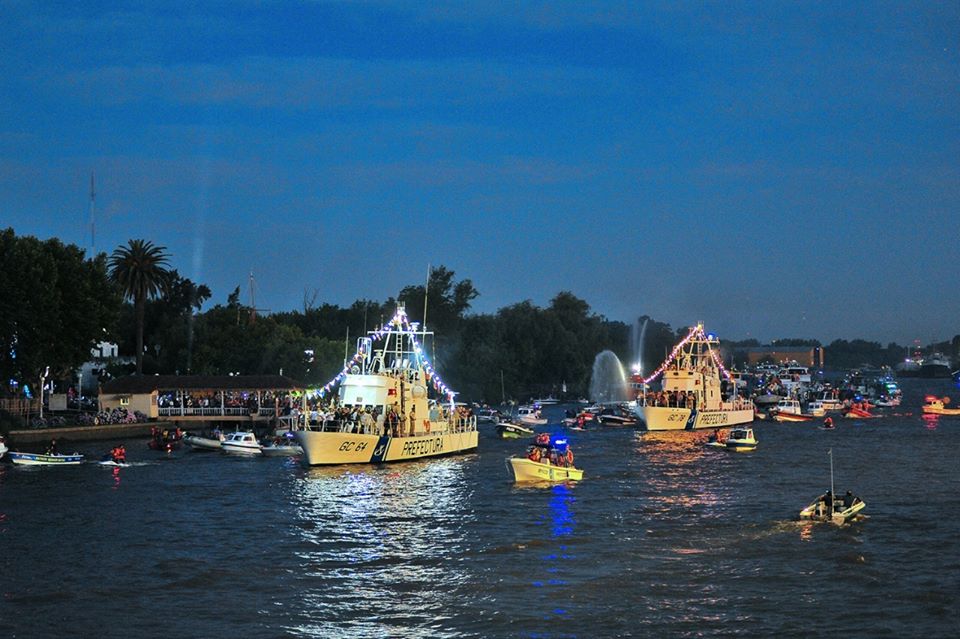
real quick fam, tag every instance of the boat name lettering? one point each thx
(422, 447)
(354, 446)
(676, 417)
(712, 419)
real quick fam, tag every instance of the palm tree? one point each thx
(140, 269)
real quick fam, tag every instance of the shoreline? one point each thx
(100, 432)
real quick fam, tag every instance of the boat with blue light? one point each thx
(547, 460)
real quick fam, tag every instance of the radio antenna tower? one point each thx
(93, 224)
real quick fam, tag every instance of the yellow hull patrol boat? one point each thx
(401, 410)
(691, 396)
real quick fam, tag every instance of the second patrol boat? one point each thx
(691, 395)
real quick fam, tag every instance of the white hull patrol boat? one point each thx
(395, 380)
(691, 396)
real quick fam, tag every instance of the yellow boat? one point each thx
(936, 406)
(525, 469)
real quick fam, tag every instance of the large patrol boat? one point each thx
(395, 379)
(691, 395)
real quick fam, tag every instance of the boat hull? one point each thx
(331, 448)
(792, 417)
(281, 451)
(232, 449)
(528, 470)
(949, 412)
(666, 418)
(31, 459)
(839, 516)
(201, 443)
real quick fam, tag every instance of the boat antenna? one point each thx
(830, 455)
(426, 294)
(93, 226)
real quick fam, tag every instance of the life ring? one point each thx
(426, 425)
(569, 457)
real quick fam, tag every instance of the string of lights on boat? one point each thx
(696, 332)
(401, 324)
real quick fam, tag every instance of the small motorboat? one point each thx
(741, 440)
(164, 440)
(531, 416)
(617, 416)
(241, 443)
(204, 442)
(836, 510)
(282, 446)
(937, 406)
(546, 461)
(793, 417)
(510, 430)
(858, 413)
(830, 508)
(38, 459)
(714, 440)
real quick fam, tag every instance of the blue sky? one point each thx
(771, 169)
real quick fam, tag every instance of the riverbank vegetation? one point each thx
(56, 303)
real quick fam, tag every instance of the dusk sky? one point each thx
(772, 169)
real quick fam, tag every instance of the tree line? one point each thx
(56, 304)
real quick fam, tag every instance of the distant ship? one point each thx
(691, 396)
(934, 366)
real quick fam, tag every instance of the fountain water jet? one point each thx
(608, 383)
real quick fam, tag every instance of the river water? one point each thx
(662, 538)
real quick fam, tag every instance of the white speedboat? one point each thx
(531, 416)
(691, 396)
(241, 443)
(205, 442)
(398, 380)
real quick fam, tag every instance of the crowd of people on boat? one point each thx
(395, 421)
(544, 452)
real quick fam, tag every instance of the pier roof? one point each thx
(149, 383)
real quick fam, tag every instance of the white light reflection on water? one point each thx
(381, 547)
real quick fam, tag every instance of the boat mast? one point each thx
(830, 455)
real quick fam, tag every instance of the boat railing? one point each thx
(197, 411)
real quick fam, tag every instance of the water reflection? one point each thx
(381, 547)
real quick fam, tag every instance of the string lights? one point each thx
(400, 324)
(696, 332)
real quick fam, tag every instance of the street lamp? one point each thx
(43, 381)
